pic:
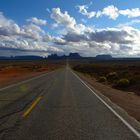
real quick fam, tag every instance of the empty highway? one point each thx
(58, 106)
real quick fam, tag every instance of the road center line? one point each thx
(129, 126)
(26, 113)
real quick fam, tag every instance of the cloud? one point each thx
(83, 10)
(130, 23)
(110, 11)
(48, 10)
(83, 20)
(118, 41)
(130, 13)
(8, 26)
(63, 19)
(13, 29)
(5, 21)
(29, 37)
(73, 37)
(32, 31)
(88, 41)
(119, 36)
(37, 21)
(67, 22)
(21, 52)
(52, 39)
(127, 35)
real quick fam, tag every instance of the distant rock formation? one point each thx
(104, 57)
(52, 56)
(74, 56)
(70, 56)
(55, 56)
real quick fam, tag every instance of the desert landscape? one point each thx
(117, 80)
(13, 71)
(69, 71)
(123, 75)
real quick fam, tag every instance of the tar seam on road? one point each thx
(110, 108)
(26, 113)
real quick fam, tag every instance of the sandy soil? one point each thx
(14, 74)
(129, 101)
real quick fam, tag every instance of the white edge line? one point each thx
(110, 108)
(28, 80)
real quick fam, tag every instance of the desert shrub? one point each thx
(102, 79)
(83, 69)
(122, 83)
(133, 81)
(112, 76)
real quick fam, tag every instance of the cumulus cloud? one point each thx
(110, 11)
(37, 21)
(32, 31)
(83, 10)
(135, 12)
(29, 37)
(8, 26)
(63, 19)
(13, 29)
(32, 39)
(91, 41)
(66, 21)
(5, 21)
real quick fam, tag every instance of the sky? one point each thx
(88, 27)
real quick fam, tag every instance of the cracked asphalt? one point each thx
(67, 111)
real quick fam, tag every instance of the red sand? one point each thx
(13, 74)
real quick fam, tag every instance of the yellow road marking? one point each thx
(25, 114)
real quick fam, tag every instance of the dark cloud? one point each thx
(4, 32)
(74, 37)
(15, 51)
(114, 36)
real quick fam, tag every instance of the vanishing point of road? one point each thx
(58, 106)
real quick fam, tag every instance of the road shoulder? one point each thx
(122, 105)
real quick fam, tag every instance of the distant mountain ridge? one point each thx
(32, 57)
(29, 57)
(102, 57)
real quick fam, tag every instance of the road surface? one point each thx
(57, 106)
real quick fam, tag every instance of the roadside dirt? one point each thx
(129, 101)
(13, 74)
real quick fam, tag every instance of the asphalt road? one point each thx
(57, 106)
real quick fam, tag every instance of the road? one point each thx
(57, 106)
